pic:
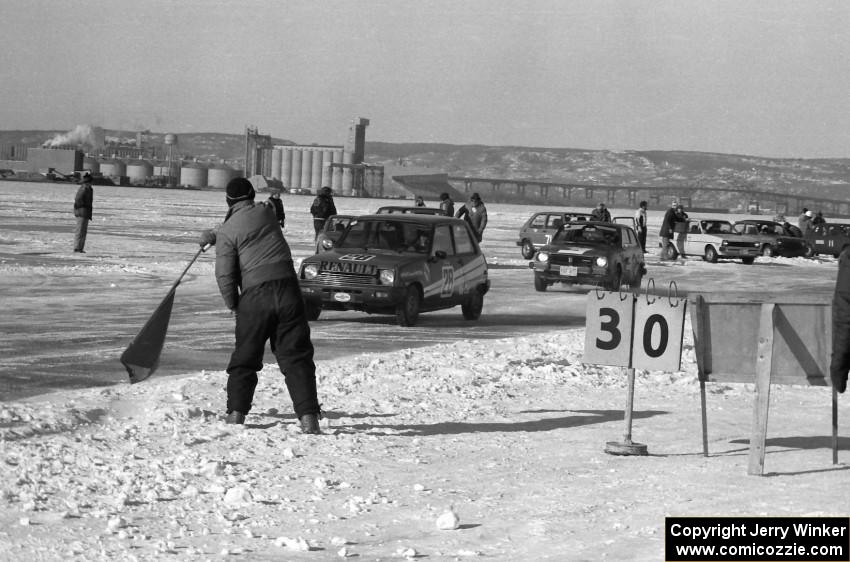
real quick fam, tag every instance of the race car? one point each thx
(713, 240)
(400, 264)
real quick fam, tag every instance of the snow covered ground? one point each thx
(505, 433)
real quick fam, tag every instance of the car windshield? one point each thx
(574, 233)
(389, 235)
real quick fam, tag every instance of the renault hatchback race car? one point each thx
(400, 264)
(829, 238)
(590, 253)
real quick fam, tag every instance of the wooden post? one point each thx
(761, 403)
(834, 426)
(704, 418)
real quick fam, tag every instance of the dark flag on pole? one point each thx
(141, 358)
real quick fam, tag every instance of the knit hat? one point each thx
(808, 213)
(239, 189)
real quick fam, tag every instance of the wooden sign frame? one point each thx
(778, 339)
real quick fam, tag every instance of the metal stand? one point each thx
(627, 447)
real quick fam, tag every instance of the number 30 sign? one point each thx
(626, 331)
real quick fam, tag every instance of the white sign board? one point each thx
(608, 331)
(659, 328)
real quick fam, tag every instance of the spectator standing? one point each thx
(818, 219)
(600, 213)
(322, 208)
(83, 211)
(277, 205)
(419, 202)
(447, 205)
(257, 280)
(475, 213)
(640, 224)
(805, 222)
(802, 218)
(668, 228)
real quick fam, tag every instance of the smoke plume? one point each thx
(82, 135)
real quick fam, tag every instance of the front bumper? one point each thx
(579, 275)
(352, 297)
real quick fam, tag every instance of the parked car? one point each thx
(775, 240)
(590, 253)
(333, 229)
(541, 226)
(715, 240)
(829, 238)
(400, 264)
(413, 210)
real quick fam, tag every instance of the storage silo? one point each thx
(193, 175)
(286, 166)
(91, 164)
(336, 176)
(219, 176)
(276, 163)
(306, 167)
(139, 171)
(113, 168)
(316, 173)
(347, 173)
(295, 176)
(327, 158)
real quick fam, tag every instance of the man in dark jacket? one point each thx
(601, 213)
(475, 214)
(322, 208)
(840, 363)
(277, 204)
(83, 211)
(447, 205)
(256, 277)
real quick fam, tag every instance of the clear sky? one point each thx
(765, 77)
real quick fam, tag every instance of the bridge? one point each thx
(563, 193)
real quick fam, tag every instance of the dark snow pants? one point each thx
(272, 311)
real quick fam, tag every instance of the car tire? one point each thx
(637, 280)
(407, 311)
(615, 282)
(539, 284)
(473, 305)
(312, 311)
(809, 253)
(710, 254)
(748, 261)
(527, 249)
(767, 251)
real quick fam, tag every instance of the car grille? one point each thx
(565, 259)
(338, 279)
(737, 244)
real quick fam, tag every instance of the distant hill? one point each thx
(828, 178)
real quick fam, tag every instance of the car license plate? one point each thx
(569, 270)
(342, 297)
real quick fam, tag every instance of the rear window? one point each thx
(463, 242)
(591, 234)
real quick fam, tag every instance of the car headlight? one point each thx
(724, 243)
(311, 270)
(327, 243)
(543, 256)
(601, 261)
(387, 276)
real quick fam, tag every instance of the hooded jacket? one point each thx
(250, 250)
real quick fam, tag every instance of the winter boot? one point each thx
(235, 417)
(310, 424)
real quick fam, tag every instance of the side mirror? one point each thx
(438, 255)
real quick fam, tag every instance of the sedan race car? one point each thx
(590, 253)
(774, 238)
(539, 228)
(714, 240)
(829, 238)
(400, 264)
